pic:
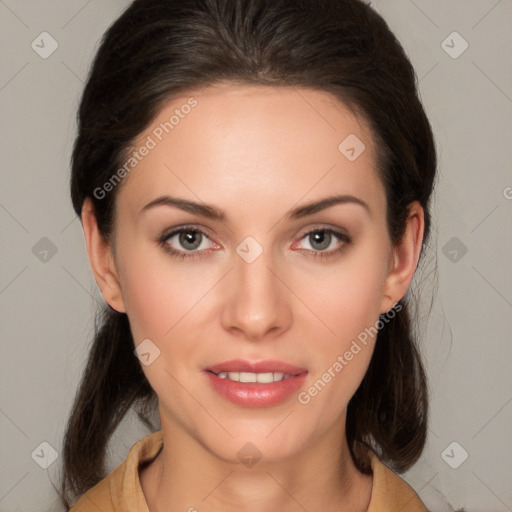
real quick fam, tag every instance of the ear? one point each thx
(101, 259)
(405, 258)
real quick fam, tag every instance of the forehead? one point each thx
(272, 143)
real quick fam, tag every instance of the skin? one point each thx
(254, 152)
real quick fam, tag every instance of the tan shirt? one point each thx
(121, 490)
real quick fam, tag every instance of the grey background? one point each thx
(47, 300)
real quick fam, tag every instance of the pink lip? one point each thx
(255, 394)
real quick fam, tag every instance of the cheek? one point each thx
(347, 298)
(350, 309)
(161, 300)
(349, 306)
(156, 290)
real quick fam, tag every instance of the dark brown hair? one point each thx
(160, 48)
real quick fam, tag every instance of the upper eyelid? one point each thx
(203, 230)
(184, 229)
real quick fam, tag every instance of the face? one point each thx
(227, 257)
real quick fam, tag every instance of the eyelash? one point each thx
(191, 255)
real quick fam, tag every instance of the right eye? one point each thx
(185, 240)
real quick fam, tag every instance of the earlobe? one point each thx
(101, 259)
(405, 258)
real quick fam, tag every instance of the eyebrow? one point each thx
(211, 212)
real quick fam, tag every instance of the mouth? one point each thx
(239, 370)
(261, 378)
(255, 384)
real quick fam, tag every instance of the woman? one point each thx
(253, 179)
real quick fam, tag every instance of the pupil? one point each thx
(190, 239)
(322, 238)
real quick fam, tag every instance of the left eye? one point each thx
(324, 239)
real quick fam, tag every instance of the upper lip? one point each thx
(241, 365)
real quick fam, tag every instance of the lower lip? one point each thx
(255, 394)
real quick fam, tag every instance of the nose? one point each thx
(256, 303)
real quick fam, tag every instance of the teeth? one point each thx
(279, 376)
(246, 377)
(263, 378)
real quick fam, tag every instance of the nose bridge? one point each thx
(256, 304)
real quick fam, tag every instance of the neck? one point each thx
(186, 476)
